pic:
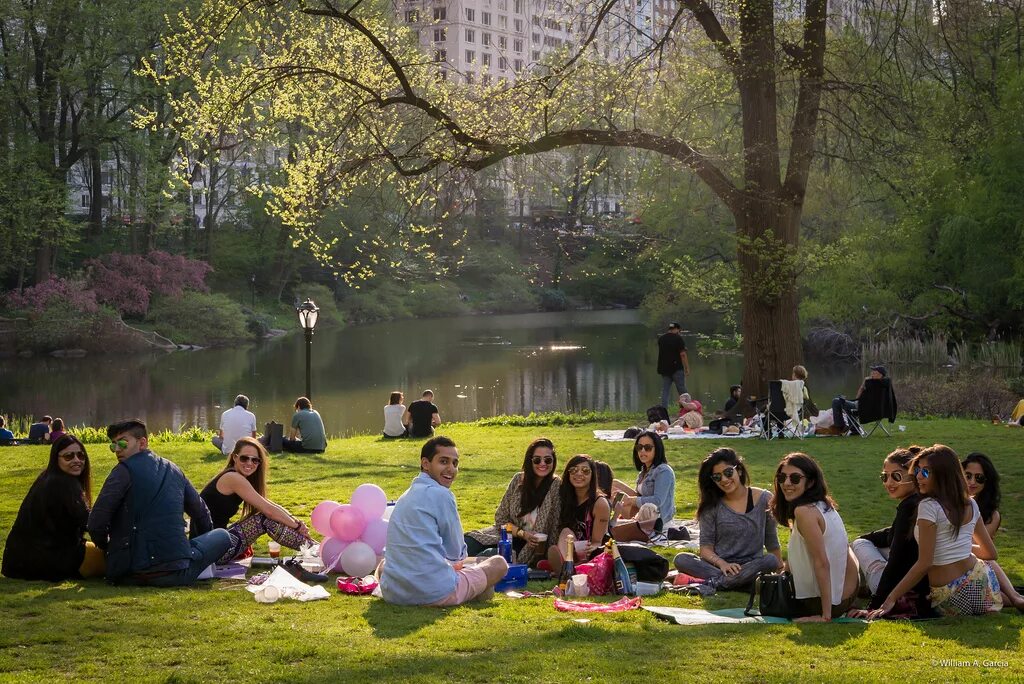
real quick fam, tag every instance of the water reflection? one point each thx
(477, 366)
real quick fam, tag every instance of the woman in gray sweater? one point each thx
(736, 527)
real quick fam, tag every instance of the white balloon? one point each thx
(358, 559)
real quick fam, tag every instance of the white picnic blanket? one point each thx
(616, 435)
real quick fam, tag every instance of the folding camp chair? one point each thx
(876, 403)
(784, 409)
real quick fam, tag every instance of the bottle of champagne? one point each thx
(619, 496)
(623, 584)
(568, 566)
(505, 543)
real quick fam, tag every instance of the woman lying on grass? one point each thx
(47, 541)
(244, 479)
(824, 569)
(947, 523)
(885, 556)
(585, 512)
(736, 527)
(530, 504)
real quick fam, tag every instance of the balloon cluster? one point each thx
(354, 533)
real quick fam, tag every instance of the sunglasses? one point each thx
(255, 460)
(896, 477)
(546, 460)
(580, 469)
(119, 444)
(794, 478)
(923, 472)
(645, 447)
(978, 479)
(72, 455)
(726, 473)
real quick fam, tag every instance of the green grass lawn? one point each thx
(91, 631)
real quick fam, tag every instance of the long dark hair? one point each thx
(989, 497)
(816, 489)
(258, 479)
(534, 491)
(53, 468)
(567, 492)
(948, 485)
(709, 492)
(659, 451)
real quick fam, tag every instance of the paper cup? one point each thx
(541, 537)
(268, 594)
(581, 547)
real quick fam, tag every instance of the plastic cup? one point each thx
(581, 547)
(275, 549)
(268, 594)
(579, 585)
(541, 537)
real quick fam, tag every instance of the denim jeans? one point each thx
(206, 549)
(679, 378)
(838, 405)
(698, 567)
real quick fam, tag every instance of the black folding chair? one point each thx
(876, 403)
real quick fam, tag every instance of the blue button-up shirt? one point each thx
(424, 539)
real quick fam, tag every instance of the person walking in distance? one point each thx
(673, 364)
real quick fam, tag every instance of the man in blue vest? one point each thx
(138, 517)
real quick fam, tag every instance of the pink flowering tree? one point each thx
(54, 291)
(127, 282)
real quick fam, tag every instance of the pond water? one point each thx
(477, 366)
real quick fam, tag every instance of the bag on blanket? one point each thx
(650, 567)
(777, 595)
(657, 413)
(600, 572)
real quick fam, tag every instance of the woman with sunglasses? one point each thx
(244, 481)
(885, 556)
(983, 486)
(947, 524)
(736, 527)
(530, 505)
(824, 570)
(47, 541)
(655, 480)
(584, 512)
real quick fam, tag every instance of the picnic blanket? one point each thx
(616, 435)
(728, 616)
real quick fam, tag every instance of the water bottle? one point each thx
(505, 545)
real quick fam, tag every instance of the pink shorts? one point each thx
(471, 583)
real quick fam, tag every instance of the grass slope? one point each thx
(90, 631)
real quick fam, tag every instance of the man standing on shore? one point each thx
(673, 365)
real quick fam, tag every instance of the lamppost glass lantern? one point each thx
(307, 313)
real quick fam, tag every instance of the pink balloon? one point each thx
(371, 500)
(358, 559)
(376, 535)
(347, 522)
(330, 553)
(322, 516)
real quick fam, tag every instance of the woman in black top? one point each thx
(244, 480)
(886, 555)
(47, 541)
(585, 511)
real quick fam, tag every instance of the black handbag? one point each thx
(650, 566)
(777, 595)
(274, 433)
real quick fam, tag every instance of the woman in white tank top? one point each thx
(825, 575)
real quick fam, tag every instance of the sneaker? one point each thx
(294, 567)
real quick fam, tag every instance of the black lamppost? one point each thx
(252, 285)
(307, 313)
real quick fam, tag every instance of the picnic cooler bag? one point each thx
(275, 436)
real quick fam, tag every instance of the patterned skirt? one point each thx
(976, 592)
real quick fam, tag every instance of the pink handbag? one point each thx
(600, 572)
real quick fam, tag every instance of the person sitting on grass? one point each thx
(736, 527)
(690, 412)
(585, 512)
(307, 435)
(655, 484)
(244, 480)
(47, 541)
(138, 517)
(948, 521)
(530, 505)
(425, 559)
(38, 431)
(235, 423)
(422, 416)
(56, 430)
(393, 412)
(885, 556)
(983, 486)
(824, 570)
(5, 434)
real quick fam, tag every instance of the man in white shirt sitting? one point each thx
(237, 421)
